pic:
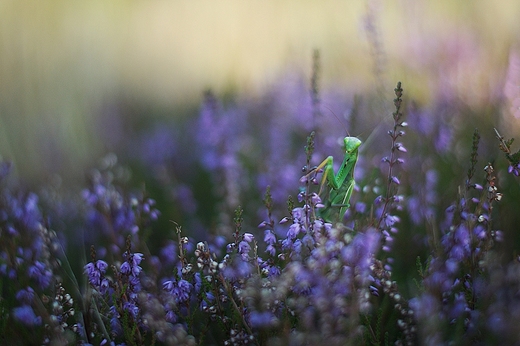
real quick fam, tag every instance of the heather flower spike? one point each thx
(391, 200)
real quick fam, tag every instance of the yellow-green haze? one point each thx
(63, 63)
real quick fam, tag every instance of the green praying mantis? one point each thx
(341, 184)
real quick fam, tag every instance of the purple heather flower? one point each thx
(131, 265)
(126, 268)
(169, 285)
(298, 214)
(459, 306)
(287, 244)
(238, 269)
(95, 273)
(41, 274)
(424, 306)
(263, 224)
(184, 289)
(439, 279)
(360, 250)
(284, 220)
(395, 180)
(114, 320)
(12, 231)
(462, 235)
(458, 253)
(390, 220)
(303, 280)
(301, 196)
(25, 296)
(271, 250)
(29, 213)
(308, 241)
(92, 273)
(274, 271)
(378, 200)
(360, 207)
(131, 308)
(11, 273)
(171, 316)
(101, 266)
(297, 246)
(131, 270)
(248, 237)
(205, 303)
(269, 237)
(315, 199)
(261, 319)
(293, 231)
(179, 290)
(137, 258)
(514, 169)
(25, 314)
(243, 250)
(198, 282)
(480, 232)
(169, 253)
(400, 147)
(452, 265)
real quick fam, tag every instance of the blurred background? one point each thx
(76, 78)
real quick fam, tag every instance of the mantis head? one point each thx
(352, 144)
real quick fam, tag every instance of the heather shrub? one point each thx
(193, 238)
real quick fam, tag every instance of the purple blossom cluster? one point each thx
(30, 267)
(455, 292)
(111, 213)
(119, 292)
